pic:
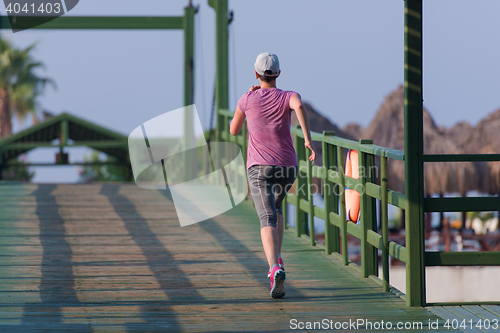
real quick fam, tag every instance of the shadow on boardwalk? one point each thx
(112, 257)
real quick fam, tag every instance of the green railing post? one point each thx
(64, 132)
(367, 213)
(385, 223)
(300, 183)
(330, 198)
(188, 25)
(310, 202)
(372, 204)
(340, 169)
(222, 60)
(413, 135)
(284, 209)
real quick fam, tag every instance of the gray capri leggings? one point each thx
(268, 187)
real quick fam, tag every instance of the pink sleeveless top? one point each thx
(268, 116)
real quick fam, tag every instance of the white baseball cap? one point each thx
(267, 62)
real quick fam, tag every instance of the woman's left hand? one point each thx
(313, 150)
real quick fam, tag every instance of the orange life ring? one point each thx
(352, 196)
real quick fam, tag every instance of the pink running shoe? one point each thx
(280, 262)
(277, 280)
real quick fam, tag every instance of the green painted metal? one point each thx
(355, 230)
(98, 23)
(284, 209)
(82, 132)
(466, 258)
(64, 132)
(225, 112)
(188, 27)
(65, 127)
(332, 241)
(90, 143)
(461, 157)
(413, 134)
(398, 251)
(461, 204)
(396, 199)
(349, 144)
(52, 164)
(222, 60)
(310, 185)
(373, 190)
(367, 213)
(343, 216)
(9, 150)
(461, 303)
(300, 184)
(384, 223)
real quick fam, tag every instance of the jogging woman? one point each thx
(271, 160)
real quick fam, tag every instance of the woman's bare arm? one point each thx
(300, 109)
(237, 122)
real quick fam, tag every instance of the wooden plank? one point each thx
(471, 319)
(450, 317)
(482, 313)
(495, 309)
(123, 263)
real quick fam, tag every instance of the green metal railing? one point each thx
(334, 182)
(334, 212)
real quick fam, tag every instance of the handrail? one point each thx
(461, 157)
(366, 148)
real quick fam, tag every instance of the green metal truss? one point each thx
(69, 131)
(82, 132)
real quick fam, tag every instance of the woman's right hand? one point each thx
(310, 145)
(253, 88)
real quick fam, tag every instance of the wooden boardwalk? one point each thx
(112, 257)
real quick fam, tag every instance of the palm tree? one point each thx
(19, 84)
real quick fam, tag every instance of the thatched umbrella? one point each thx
(484, 138)
(485, 133)
(354, 130)
(489, 172)
(387, 130)
(460, 134)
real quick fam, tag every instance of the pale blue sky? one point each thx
(343, 56)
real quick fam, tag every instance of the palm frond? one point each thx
(19, 78)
